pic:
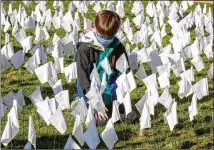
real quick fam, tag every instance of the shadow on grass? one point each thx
(133, 144)
(45, 142)
(208, 146)
(188, 99)
(21, 83)
(188, 144)
(202, 131)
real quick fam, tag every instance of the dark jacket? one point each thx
(86, 56)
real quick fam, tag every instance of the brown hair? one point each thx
(107, 23)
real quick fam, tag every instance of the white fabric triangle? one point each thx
(163, 80)
(27, 145)
(193, 109)
(90, 114)
(198, 63)
(97, 8)
(66, 26)
(44, 72)
(44, 110)
(122, 64)
(103, 83)
(208, 51)
(133, 60)
(155, 61)
(166, 99)
(57, 50)
(210, 72)
(63, 99)
(106, 66)
(150, 81)
(91, 136)
(127, 103)
(71, 72)
(7, 50)
(58, 121)
(145, 119)
(80, 109)
(138, 20)
(59, 65)
(109, 135)
(31, 64)
(185, 88)
(141, 73)
(171, 116)
(131, 80)
(36, 96)
(57, 87)
(8, 99)
(31, 133)
(78, 130)
(20, 99)
(200, 88)
(87, 24)
(140, 104)
(115, 111)
(11, 128)
(71, 144)
(121, 36)
(94, 74)
(143, 56)
(123, 82)
(56, 22)
(178, 67)
(17, 59)
(52, 104)
(188, 74)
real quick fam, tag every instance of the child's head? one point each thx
(107, 23)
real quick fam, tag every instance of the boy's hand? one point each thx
(101, 115)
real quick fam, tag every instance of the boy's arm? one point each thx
(82, 60)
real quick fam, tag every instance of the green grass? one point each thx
(186, 134)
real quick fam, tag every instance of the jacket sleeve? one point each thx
(83, 61)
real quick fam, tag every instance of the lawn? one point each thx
(186, 134)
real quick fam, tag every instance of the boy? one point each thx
(107, 24)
